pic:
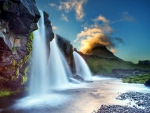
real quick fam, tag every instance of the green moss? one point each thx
(5, 7)
(24, 79)
(36, 27)
(26, 70)
(19, 37)
(13, 62)
(14, 49)
(17, 71)
(7, 92)
(11, 2)
(29, 44)
(139, 79)
(45, 14)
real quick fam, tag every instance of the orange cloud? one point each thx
(97, 34)
(89, 43)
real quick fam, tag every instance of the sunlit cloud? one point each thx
(97, 33)
(101, 18)
(63, 17)
(70, 5)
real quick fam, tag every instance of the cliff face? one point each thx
(49, 32)
(18, 20)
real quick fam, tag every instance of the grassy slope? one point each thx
(140, 79)
(105, 66)
(101, 60)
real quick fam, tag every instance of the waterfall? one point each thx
(39, 81)
(82, 68)
(58, 67)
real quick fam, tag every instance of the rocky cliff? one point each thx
(18, 20)
(67, 49)
(49, 31)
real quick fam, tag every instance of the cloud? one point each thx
(97, 33)
(54, 28)
(101, 18)
(126, 17)
(63, 17)
(70, 5)
(52, 4)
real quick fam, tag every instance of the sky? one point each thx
(123, 26)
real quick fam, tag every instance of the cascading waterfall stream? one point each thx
(46, 76)
(58, 67)
(82, 68)
(39, 81)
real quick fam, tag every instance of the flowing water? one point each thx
(82, 68)
(46, 76)
(58, 68)
(39, 82)
(78, 100)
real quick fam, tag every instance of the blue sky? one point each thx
(126, 20)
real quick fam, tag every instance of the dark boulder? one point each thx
(147, 83)
(20, 14)
(78, 77)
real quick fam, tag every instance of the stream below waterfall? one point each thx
(84, 98)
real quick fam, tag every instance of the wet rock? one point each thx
(78, 77)
(147, 83)
(67, 49)
(49, 32)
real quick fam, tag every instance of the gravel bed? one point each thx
(141, 100)
(119, 109)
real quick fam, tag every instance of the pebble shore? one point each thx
(141, 104)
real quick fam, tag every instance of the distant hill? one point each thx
(103, 61)
(100, 50)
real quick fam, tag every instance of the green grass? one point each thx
(104, 66)
(139, 79)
